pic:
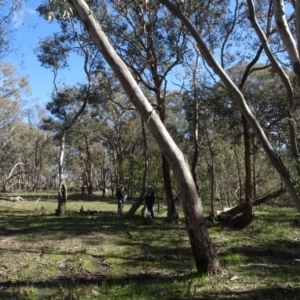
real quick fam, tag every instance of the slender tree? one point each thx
(202, 247)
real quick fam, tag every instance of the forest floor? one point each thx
(107, 256)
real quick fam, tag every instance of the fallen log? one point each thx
(12, 199)
(229, 213)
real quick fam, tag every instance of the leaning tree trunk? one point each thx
(135, 206)
(287, 38)
(286, 35)
(204, 254)
(240, 102)
(62, 189)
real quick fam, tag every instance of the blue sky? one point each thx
(30, 29)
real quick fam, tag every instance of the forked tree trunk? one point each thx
(248, 213)
(204, 254)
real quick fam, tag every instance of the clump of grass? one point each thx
(230, 260)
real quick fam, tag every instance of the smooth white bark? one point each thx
(204, 254)
(288, 86)
(239, 100)
(286, 35)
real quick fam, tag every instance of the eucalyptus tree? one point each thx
(8, 11)
(151, 45)
(205, 256)
(82, 136)
(27, 159)
(285, 32)
(266, 98)
(228, 18)
(239, 100)
(53, 53)
(86, 137)
(119, 129)
(12, 88)
(66, 107)
(144, 184)
(293, 53)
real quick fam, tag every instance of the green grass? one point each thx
(108, 256)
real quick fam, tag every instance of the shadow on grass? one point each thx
(159, 286)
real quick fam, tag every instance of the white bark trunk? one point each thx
(205, 256)
(286, 35)
(61, 158)
(284, 78)
(239, 100)
(298, 23)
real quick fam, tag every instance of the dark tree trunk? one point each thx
(202, 247)
(248, 209)
(62, 200)
(88, 167)
(139, 202)
(168, 188)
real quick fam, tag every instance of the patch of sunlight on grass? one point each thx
(275, 229)
(231, 259)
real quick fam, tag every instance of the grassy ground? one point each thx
(107, 256)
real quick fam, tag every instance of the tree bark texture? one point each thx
(240, 102)
(135, 206)
(201, 244)
(165, 165)
(62, 190)
(195, 124)
(286, 35)
(291, 114)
